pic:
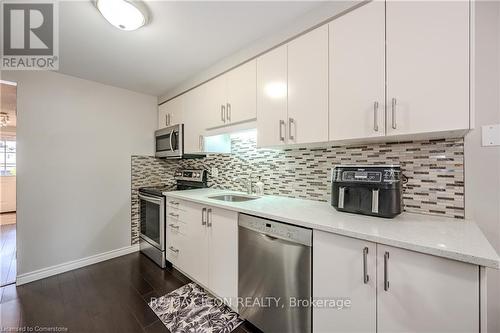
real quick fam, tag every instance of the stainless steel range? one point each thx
(152, 212)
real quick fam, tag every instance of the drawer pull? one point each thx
(386, 273)
(174, 215)
(173, 249)
(366, 277)
(173, 202)
(174, 226)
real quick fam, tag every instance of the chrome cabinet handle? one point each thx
(203, 217)
(375, 196)
(393, 106)
(290, 122)
(174, 215)
(341, 197)
(174, 226)
(366, 277)
(166, 119)
(173, 249)
(223, 113)
(173, 202)
(282, 124)
(375, 116)
(209, 217)
(386, 273)
(228, 112)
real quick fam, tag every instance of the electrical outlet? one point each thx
(491, 135)
(214, 172)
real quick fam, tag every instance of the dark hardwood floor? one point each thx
(110, 296)
(7, 252)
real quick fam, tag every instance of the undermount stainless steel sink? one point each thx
(233, 197)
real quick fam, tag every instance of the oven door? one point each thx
(169, 142)
(152, 220)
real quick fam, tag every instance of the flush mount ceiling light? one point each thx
(123, 14)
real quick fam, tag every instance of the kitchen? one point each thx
(349, 163)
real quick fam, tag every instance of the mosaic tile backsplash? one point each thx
(434, 168)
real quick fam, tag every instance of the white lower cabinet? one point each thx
(223, 253)
(204, 245)
(339, 273)
(405, 291)
(425, 293)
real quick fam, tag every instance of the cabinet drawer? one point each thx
(173, 204)
(175, 227)
(175, 249)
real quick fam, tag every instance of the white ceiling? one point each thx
(182, 39)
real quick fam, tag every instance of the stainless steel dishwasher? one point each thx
(274, 272)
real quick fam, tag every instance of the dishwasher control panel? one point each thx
(277, 229)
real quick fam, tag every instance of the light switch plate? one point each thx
(214, 172)
(491, 135)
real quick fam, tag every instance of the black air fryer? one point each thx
(368, 189)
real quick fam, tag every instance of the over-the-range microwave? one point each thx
(169, 143)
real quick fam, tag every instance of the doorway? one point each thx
(8, 102)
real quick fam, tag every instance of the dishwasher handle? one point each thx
(272, 230)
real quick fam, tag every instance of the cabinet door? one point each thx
(196, 244)
(194, 120)
(223, 253)
(339, 272)
(425, 293)
(308, 87)
(215, 103)
(357, 73)
(241, 87)
(176, 111)
(427, 66)
(170, 113)
(272, 98)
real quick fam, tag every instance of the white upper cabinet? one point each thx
(357, 73)
(422, 293)
(241, 85)
(308, 87)
(170, 113)
(231, 97)
(215, 103)
(194, 118)
(272, 98)
(427, 66)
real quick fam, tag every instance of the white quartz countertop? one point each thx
(460, 240)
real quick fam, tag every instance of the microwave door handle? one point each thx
(170, 140)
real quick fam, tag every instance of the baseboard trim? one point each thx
(74, 264)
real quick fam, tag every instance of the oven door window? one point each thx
(150, 221)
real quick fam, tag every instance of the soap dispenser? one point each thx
(259, 187)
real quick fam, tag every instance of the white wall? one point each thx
(482, 164)
(74, 142)
(325, 12)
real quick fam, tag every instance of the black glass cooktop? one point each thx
(158, 190)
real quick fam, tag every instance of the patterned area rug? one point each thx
(191, 309)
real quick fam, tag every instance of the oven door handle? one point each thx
(150, 199)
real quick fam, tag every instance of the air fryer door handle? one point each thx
(375, 194)
(341, 197)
